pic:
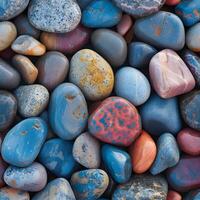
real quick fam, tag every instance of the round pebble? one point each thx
(173, 195)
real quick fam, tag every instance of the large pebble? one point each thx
(92, 74)
(132, 85)
(32, 99)
(55, 16)
(143, 153)
(29, 136)
(117, 162)
(8, 109)
(32, 178)
(193, 195)
(153, 30)
(161, 115)
(86, 151)
(57, 189)
(56, 156)
(185, 175)
(11, 8)
(89, 184)
(105, 41)
(52, 69)
(115, 121)
(167, 155)
(142, 187)
(169, 74)
(68, 111)
(101, 14)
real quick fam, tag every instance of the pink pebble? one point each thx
(124, 25)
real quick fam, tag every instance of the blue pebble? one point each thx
(23, 142)
(189, 11)
(167, 154)
(101, 14)
(56, 156)
(161, 115)
(140, 54)
(68, 111)
(163, 30)
(193, 195)
(117, 162)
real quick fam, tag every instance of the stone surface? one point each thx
(132, 85)
(32, 99)
(58, 189)
(115, 121)
(101, 14)
(29, 135)
(173, 195)
(185, 175)
(8, 34)
(193, 195)
(55, 16)
(52, 69)
(104, 41)
(56, 156)
(27, 45)
(142, 187)
(124, 25)
(26, 68)
(152, 30)
(89, 184)
(117, 162)
(169, 74)
(86, 151)
(32, 178)
(167, 153)
(92, 74)
(143, 153)
(68, 104)
(161, 115)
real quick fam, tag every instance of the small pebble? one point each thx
(173, 195)
(124, 25)
(172, 3)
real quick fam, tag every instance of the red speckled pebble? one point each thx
(115, 121)
(173, 195)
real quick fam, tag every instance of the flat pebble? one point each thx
(124, 25)
(86, 151)
(193, 195)
(173, 195)
(32, 99)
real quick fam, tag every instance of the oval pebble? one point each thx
(172, 2)
(173, 195)
(124, 25)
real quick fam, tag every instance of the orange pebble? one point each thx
(172, 195)
(172, 2)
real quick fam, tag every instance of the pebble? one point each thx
(32, 178)
(152, 30)
(138, 8)
(142, 187)
(124, 25)
(29, 46)
(169, 75)
(8, 193)
(189, 141)
(190, 110)
(188, 11)
(66, 42)
(157, 111)
(104, 41)
(172, 3)
(57, 189)
(185, 175)
(3, 167)
(26, 68)
(9, 77)
(193, 195)
(89, 184)
(167, 154)
(101, 14)
(68, 104)
(58, 16)
(132, 85)
(115, 121)
(173, 195)
(143, 153)
(52, 69)
(8, 34)
(56, 156)
(8, 109)
(29, 136)
(140, 54)
(92, 74)
(32, 99)
(86, 151)
(117, 162)
(11, 8)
